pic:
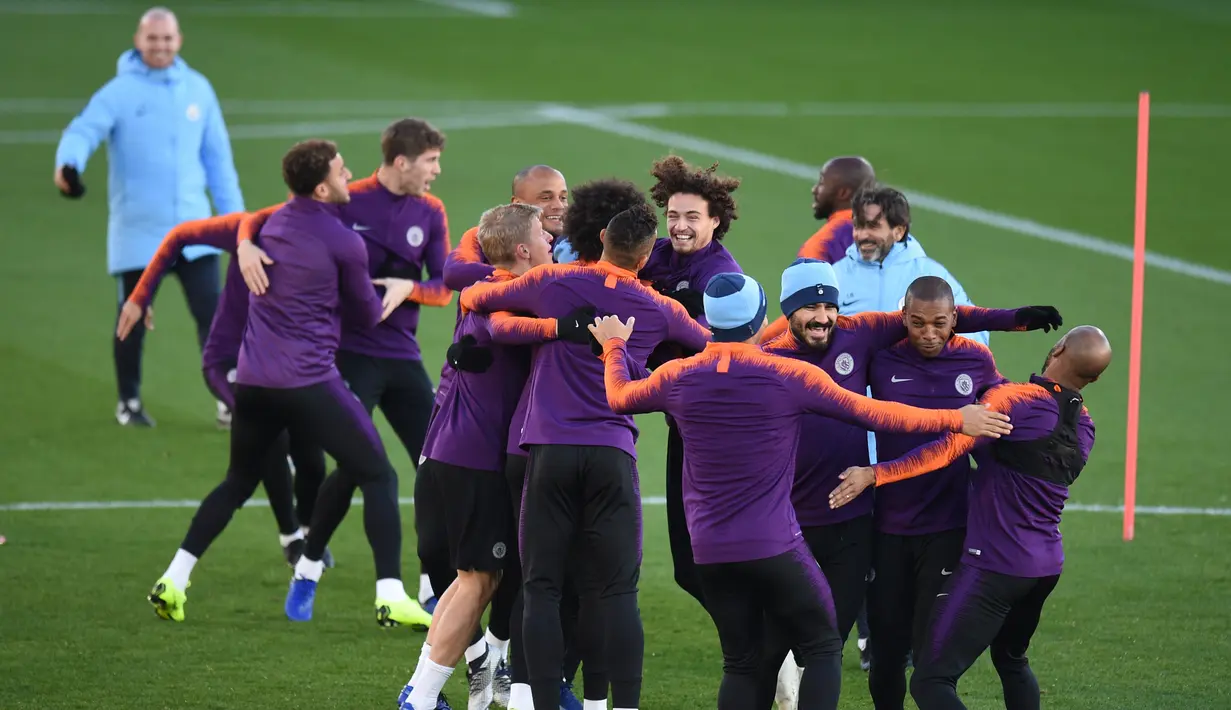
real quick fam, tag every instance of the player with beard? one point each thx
(700, 211)
(843, 346)
(841, 178)
(1014, 554)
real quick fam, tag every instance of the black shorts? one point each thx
(478, 514)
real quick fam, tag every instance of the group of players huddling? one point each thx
(574, 315)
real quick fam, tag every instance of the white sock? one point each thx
(425, 589)
(304, 529)
(501, 646)
(424, 653)
(476, 650)
(520, 697)
(390, 590)
(309, 569)
(285, 540)
(432, 678)
(862, 644)
(181, 569)
(594, 705)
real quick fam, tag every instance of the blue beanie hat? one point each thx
(734, 306)
(807, 282)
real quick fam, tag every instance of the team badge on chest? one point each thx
(414, 236)
(964, 384)
(844, 364)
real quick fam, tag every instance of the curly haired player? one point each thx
(700, 210)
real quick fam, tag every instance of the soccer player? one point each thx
(219, 357)
(1014, 555)
(921, 523)
(738, 410)
(464, 459)
(841, 178)
(286, 377)
(162, 159)
(844, 346)
(546, 188)
(700, 210)
(405, 230)
(580, 488)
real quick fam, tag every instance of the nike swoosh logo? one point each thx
(895, 378)
(359, 228)
(945, 572)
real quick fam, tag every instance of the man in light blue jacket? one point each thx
(167, 144)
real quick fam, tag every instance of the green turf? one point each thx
(1141, 625)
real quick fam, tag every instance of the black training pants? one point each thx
(680, 540)
(790, 592)
(844, 552)
(329, 414)
(978, 609)
(200, 280)
(580, 503)
(909, 571)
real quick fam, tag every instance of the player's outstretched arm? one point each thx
(624, 394)
(511, 329)
(217, 232)
(817, 392)
(520, 295)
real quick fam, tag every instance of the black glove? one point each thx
(692, 300)
(575, 327)
(596, 347)
(1044, 318)
(467, 356)
(75, 187)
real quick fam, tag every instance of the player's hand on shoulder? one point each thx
(1044, 318)
(980, 420)
(466, 355)
(854, 480)
(609, 327)
(252, 263)
(130, 315)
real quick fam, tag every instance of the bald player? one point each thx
(1014, 554)
(840, 179)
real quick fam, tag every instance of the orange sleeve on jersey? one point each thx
(431, 294)
(627, 396)
(509, 329)
(949, 448)
(169, 250)
(251, 225)
(831, 400)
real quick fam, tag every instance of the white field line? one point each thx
(648, 500)
(306, 9)
(736, 109)
(323, 129)
(676, 141)
(485, 8)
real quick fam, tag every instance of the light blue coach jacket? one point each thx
(166, 144)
